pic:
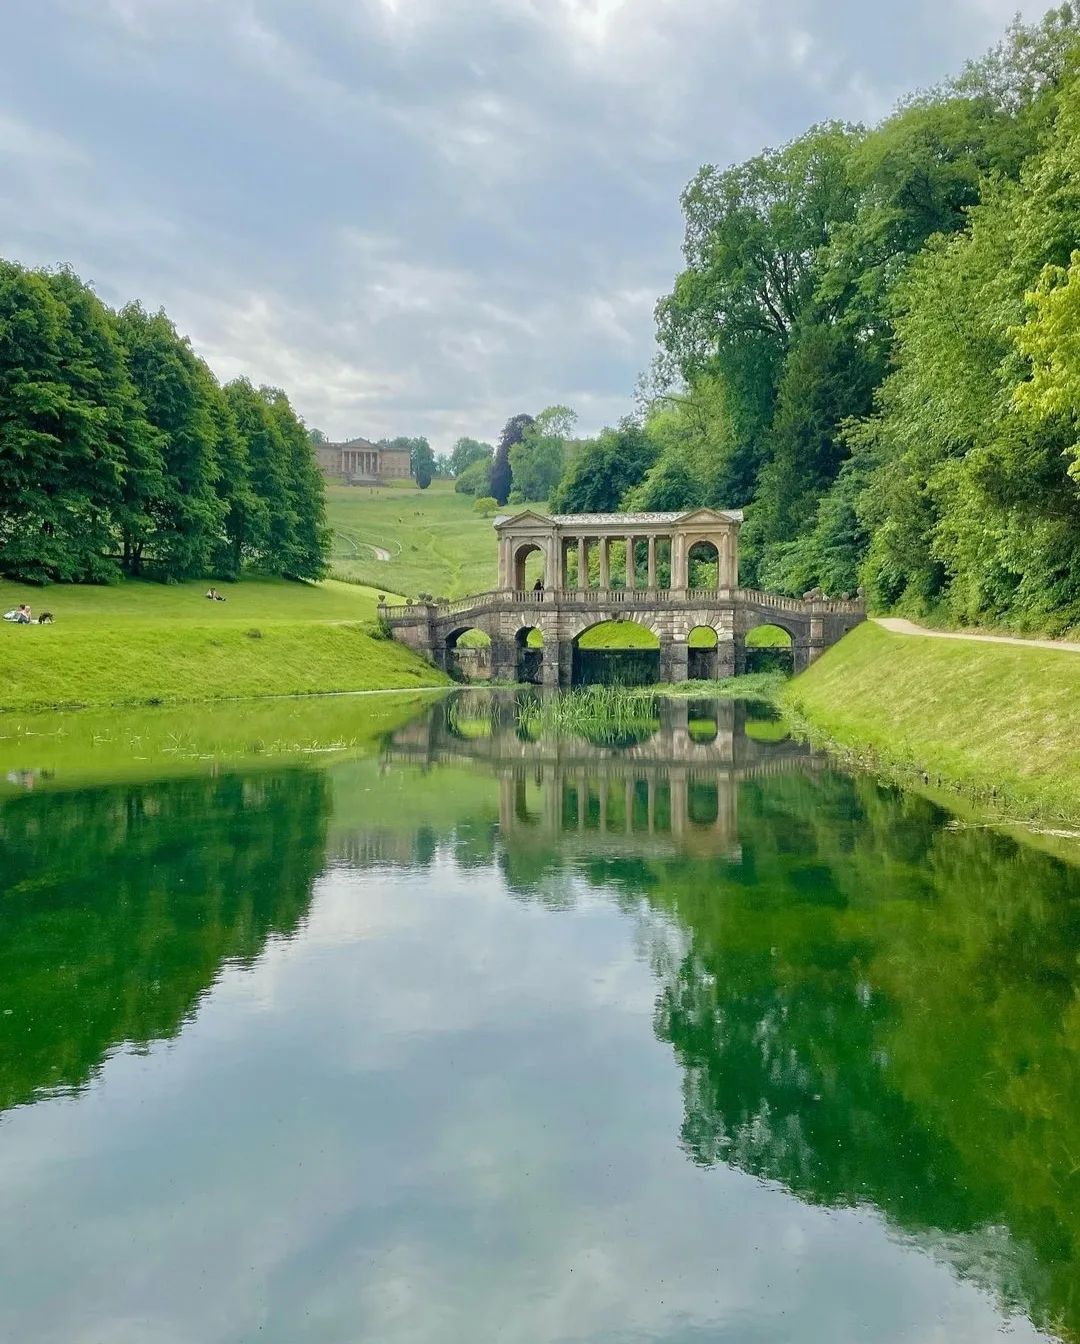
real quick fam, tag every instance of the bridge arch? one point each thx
(529, 654)
(468, 653)
(795, 627)
(632, 656)
(593, 621)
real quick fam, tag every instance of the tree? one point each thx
(422, 462)
(475, 479)
(273, 524)
(178, 392)
(501, 472)
(538, 459)
(70, 424)
(308, 544)
(604, 470)
(467, 451)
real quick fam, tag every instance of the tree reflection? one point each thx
(874, 1008)
(121, 905)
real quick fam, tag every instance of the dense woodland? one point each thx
(121, 454)
(874, 348)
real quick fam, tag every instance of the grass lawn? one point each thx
(143, 643)
(435, 541)
(251, 602)
(993, 720)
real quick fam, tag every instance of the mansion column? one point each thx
(651, 579)
(582, 564)
(605, 564)
(631, 577)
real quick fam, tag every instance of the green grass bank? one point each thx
(143, 643)
(995, 721)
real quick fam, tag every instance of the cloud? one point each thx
(420, 215)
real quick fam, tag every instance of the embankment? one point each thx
(135, 663)
(1000, 722)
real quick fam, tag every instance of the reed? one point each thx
(608, 715)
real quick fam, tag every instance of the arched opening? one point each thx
(616, 653)
(703, 566)
(468, 655)
(528, 566)
(702, 662)
(768, 649)
(529, 656)
(702, 803)
(702, 722)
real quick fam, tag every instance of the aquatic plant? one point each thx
(607, 715)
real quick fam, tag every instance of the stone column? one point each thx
(628, 806)
(680, 804)
(566, 662)
(678, 562)
(674, 660)
(582, 564)
(549, 667)
(605, 564)
(652, 564)
(631, 576)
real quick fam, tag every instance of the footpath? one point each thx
(901, 627)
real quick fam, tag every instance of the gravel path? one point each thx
(901, 627)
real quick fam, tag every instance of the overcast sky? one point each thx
(420, 216)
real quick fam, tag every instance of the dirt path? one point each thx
(381, 553)
(901, 627)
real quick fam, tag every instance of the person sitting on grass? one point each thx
(24, 617)
(214, 595)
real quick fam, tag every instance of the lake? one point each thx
(434, 1026)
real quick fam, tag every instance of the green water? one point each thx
(482, 1037)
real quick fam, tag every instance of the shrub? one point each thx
(486, 504)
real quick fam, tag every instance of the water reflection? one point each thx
(795, 1058)
(121, 905)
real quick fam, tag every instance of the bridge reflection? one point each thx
(672, 787)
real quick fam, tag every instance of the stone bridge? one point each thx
(670, 573)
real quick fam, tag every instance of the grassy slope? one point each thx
(993, 720)
(252, 602)
(138, 643)
(437, 543)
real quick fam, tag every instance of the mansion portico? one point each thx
(358, 462)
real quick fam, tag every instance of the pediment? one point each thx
(528, 519)
(710, 518)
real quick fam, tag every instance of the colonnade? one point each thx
(360, 462)
(644, 555)
(582, 801)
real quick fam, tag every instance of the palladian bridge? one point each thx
(672, 573)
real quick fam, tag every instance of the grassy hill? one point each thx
(143, 643)
(996, 721)
(436, 543)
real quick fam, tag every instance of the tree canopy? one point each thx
(121, 453)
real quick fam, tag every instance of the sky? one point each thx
(421, 216)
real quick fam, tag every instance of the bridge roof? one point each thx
(619, 519)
